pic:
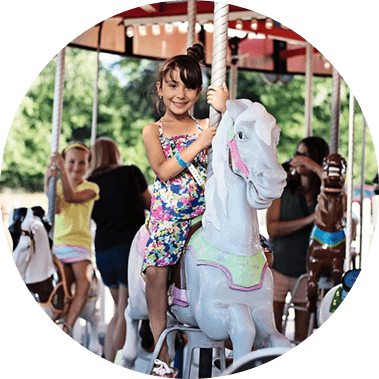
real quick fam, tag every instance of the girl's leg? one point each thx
(116, 330)
(156, 298)
(83, 275)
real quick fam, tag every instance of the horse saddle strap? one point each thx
(65, 275)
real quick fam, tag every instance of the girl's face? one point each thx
(76, 164)
(177, 98)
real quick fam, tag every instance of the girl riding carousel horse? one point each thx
(72, 236)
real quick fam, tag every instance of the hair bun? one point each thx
(197, 52)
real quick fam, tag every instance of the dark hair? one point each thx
(79, 146)
(318, 150)
(189, 68)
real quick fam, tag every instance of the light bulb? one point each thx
(269, 23)
(254, 24)
(156, 29)
(169, 28)
(142, 30)
(130, 31)
(239, 24)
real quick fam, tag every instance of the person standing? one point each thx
(290, 220)
(118, 214)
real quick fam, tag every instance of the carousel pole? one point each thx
(309, 90)
(191, 17)
(56, 130)
(220, 44)
(191, 33)
(336, 110)
(95, 98)
(350, 181)
(363, 164)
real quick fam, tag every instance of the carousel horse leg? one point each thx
(242, 330)
(337, 270)
(93, 318)
(129, 352)
(312, 287)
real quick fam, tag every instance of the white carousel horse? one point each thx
(49, 281)
(229, 287)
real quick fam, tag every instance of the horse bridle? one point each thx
(16, 231)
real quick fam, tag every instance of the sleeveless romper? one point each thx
(174, 203)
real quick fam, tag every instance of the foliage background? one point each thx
(127, 103)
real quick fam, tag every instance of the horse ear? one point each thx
(264, 123)
(236, 107)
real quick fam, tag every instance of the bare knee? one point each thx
(83, 285)
(156, 276)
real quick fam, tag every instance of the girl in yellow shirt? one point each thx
(72, 236)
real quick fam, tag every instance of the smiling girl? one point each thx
(72, 236)
(177, 150)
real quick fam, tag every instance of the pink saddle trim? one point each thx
(142, 238)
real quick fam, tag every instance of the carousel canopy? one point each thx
(159, 31)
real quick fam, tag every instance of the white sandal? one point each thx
(161, 369)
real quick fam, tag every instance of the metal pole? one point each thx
(309, 90)
(95, 98)
(220, 44)
(363, 165)
(191, 17)
(191, 32)
(233, 79)
(336, 110)
(56, 130)
(350, 181)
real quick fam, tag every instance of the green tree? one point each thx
(126, 103)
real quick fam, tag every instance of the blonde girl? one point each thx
(72, 236)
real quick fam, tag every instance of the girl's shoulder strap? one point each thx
(160, 128)
(198, 124)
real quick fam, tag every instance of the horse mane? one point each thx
(216, 185)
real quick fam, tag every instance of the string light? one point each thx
(269, 23)
(239, 24)
(169, 28)
(254, 24)
(183, 27)
(130, 31)
(142, 30)
(156, 29)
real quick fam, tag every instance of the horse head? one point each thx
(31, 244)
(20, 222)
(334, 173)
(245, 143)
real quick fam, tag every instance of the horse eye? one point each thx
(241, 135)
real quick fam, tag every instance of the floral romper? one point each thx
(174, 204)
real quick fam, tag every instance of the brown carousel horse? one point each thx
(326, 251)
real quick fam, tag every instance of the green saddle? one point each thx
(243, 273)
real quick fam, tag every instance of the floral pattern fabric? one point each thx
(173, 205)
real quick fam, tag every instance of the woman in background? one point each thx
(290, 220)
(118, 215)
